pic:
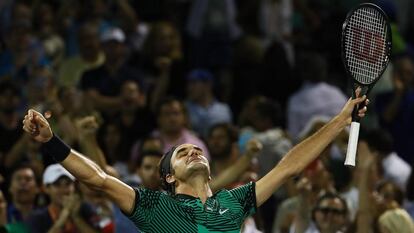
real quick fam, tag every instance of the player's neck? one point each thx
(196, 187)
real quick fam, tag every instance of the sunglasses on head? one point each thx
(326, 210)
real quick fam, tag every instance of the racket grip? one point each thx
(352, 144)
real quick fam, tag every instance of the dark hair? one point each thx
(166, 101)
(164, 169)
(231, 131)
(270, 109)
(329, 195)
(147, 153)
(23, 166)
(379, 140)
(397, 193)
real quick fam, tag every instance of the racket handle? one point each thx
(352, 144)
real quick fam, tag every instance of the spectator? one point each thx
(329, 215)
(45, 28)
(65, 212)
(10, 101)
(90, 56)
(134, 118)
(172, 119)
(394, 168)
(396, 108)
(23, 192)
(147, 169)
(316, 97)
(375, 197)
(222, 144)
(396, 220)
(228, 167)
(262, 117)
(150, 143)
(409, 205)
(23, 52)
(212, 27)
(203, 108)
(296, 211)
(102, 85)
(162, 61)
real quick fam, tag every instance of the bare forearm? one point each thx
(84, 169)
(232, 173)
(298, 158)
(364, 217)
(91, 148)
(307, 151)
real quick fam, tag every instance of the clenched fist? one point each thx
(37, 126)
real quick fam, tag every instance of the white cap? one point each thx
(113, 34)
(53, 172)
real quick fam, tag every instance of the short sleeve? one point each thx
(246, 196)
(145, 207)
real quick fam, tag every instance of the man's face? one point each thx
(131, 95)
(164, 41)
(148, 171)
(113, 50)
(407, 72)
(23, 187)
(88, 41)
(197, 89)
(219, 144)
(171, 117)
(330, 215)
(188, 160)
(60, 189)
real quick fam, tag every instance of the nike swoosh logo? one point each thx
(221, 211)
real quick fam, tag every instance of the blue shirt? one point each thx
(202, 118)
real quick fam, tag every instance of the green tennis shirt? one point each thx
(225, 211)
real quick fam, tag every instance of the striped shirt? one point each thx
(225, 211)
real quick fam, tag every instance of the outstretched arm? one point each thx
(305, 152)
(84, 169)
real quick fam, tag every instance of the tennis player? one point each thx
(189, 205)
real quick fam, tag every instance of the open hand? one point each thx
(37, 126)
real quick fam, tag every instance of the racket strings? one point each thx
(365, 44)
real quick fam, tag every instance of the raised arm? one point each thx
(84, 169)
(232, 173)
(305, 152)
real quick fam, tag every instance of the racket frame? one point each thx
(355, 125)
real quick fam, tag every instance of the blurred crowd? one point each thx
(123, 81)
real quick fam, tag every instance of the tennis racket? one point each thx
(366, 48)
